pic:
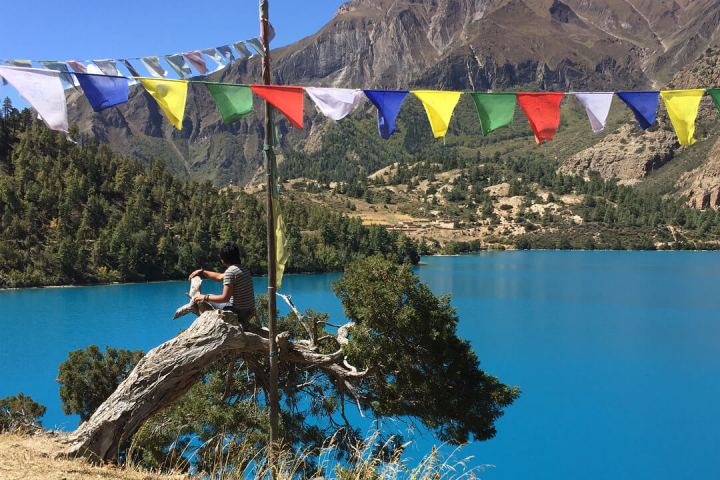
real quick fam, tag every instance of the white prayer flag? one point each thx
(153, 66)
(108, 67)
(597, 106)
(43, 91)
(216, 57)
(335, 103)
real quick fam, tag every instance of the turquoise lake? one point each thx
(617, 353)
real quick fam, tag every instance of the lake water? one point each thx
(617, 353)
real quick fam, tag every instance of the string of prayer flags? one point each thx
(233, 101)
(102, 91)
(439, 106)
(644, 106)
(196, 59)
(170, 95)
(495, 110)
(43, 91)
(153, 66)
(542, 111)
(289, 100)
(597, 105)
(335, 103)
(388, 103)
(682, 107)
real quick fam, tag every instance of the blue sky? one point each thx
(98, 29)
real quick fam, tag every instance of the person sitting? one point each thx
(238, 295)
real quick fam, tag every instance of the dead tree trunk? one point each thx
(169, 370)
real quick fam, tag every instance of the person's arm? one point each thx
(217, 276)
(227, 293)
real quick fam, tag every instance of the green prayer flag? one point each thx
(715, 94)
(233, 101)
(496, 110)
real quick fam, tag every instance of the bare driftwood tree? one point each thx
(169, 370)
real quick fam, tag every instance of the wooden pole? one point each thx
(271, 254)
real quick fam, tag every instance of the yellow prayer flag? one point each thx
(282, 252)
(171, 95)
(682, 107)
(439, 107)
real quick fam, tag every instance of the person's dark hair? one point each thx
(230, 253)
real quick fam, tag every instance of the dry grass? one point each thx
(39, 457)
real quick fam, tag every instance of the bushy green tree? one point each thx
(20, 414)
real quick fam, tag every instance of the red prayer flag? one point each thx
(542, 111)
(289, 100)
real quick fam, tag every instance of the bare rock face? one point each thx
(626, 155)
(701, 186)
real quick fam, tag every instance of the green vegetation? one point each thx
(78, 213)
(403, 335)
(20, 414)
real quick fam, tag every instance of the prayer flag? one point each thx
(170, 95)
(196, 59)
(597, 106)
(108, 67)
(177, 62)
(439, 107)
(233, 101)
(643, 104)
(77, 66)
(335, 103)
(257, 46)
(67, 79)
(289, 100)
(388, 103)
(130, 68)
(153, 66)
(19, 63)
(43, 91)
(216, 56)
(715, 95)
(542, 111)
(243, 50)
(282, 250)
(495, 110)
(226, 52)
(103, 92)
(682, 107)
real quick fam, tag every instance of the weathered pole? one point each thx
(269, 144)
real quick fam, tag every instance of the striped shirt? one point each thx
(243, 295)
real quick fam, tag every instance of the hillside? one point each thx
(467, 44)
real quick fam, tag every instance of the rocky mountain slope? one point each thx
(463, 44)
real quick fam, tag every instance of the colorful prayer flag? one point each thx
(103, 92)
(644, 106)
(597, 106)
(43, 91)
(495, 110)
(439, 107)
(542, 110)
(335, 103)
(77, 66)
(170, 95)
(289, 100)
(153, 66)
(682, 107)
(196, 59)
(19, 63)
(388, 103)
(233, 101)
(67, 79)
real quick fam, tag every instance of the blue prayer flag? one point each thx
(643, 104)
(388, 103)
(103, 92)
